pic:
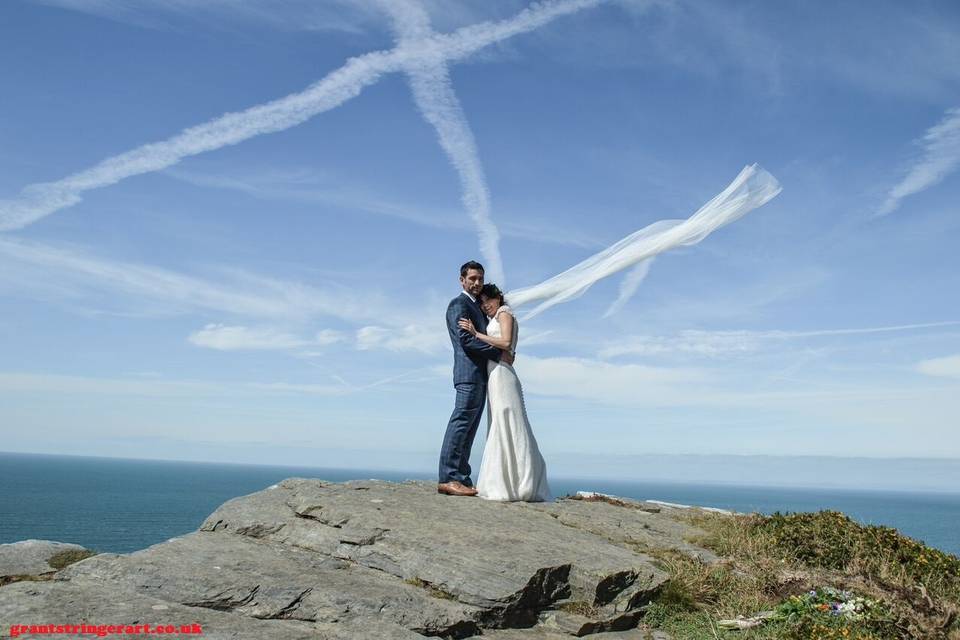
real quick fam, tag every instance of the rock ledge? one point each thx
(307, 558)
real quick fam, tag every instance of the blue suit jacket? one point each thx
(470, 355)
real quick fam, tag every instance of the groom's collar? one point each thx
(474, 300)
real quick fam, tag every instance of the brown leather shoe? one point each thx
(454, 488)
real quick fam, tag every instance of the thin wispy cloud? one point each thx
(346, 16)
(900, 50)
(940, 157)
(439, 105)
(297, 15)
(307, 188)
(239, 338)
(18, 382)
(946, 367)
(401, 339)
(237, 292)
(739, 302)
(712, 393)
(297, 186)
(726, 343)
(22, 382)
(42, 199)
(586, 379)
(296, 388)
(726, 36)
(411, 338)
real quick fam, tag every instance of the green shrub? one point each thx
(65, 558)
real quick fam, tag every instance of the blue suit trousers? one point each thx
(461, 430)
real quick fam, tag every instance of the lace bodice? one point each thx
(493, 327)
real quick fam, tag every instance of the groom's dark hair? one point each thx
(470, 265)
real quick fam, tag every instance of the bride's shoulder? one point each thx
(504, 309)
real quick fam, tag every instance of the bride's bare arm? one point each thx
(506, 329)
(506, 325)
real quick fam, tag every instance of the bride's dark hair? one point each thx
(493, 291)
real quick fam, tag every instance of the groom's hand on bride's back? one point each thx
(507, 357)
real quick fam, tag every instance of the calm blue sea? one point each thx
(119, 505)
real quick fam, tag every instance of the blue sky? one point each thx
(278, 297)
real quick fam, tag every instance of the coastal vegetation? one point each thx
(57, 561)
(810, 576)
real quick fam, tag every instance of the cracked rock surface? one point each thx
(370, 559)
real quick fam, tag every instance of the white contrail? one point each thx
(941, 155)
(632, 281)
(39, 200)
(752, 188)
(437, 101)
(629, 285)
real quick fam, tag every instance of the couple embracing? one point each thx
(484, 331)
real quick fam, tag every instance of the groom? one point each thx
(470, 357)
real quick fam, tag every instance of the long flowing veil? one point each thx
(752, 188)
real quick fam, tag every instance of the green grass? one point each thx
(766, 559)
(23, 577)
(65, 558)
(831, 540)
(57, 561)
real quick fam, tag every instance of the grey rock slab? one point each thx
(373, 559)
(629, 525)
(29, 557)
(543, 633)
(506, 558)
(54, 603)
(580, 625)
(262, 579)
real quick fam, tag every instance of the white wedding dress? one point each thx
(512, 467)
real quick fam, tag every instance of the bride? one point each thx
(512, 467)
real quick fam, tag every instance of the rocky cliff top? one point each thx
(313, 559)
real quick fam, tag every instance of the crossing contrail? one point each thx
(42, 199)
(439, 105)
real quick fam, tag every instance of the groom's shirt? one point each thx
(470, 354)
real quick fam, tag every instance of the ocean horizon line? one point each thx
(126, 504)
(420, 474)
